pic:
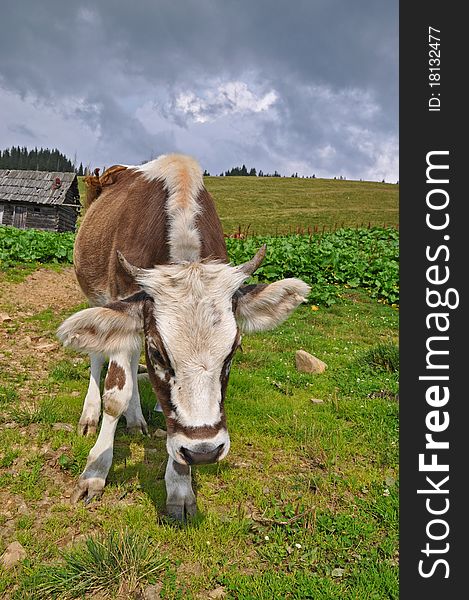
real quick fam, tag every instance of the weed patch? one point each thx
(118, 563)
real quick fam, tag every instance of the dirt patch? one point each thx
(28, 345)
(44, 289)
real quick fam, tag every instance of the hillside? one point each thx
(269, 205)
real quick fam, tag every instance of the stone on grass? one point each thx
(218, 592)
(63, 427)
(152, 592)
(12, 555)
(307, 363)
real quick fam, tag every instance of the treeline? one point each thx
(244, 172)
(42, 159)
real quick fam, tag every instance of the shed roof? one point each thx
(38, 187)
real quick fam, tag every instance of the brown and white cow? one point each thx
(150, 256)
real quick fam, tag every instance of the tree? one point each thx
(38, 160)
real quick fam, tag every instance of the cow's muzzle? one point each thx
(203, 454)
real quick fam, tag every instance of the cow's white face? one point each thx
(191, 336)
(191, 315)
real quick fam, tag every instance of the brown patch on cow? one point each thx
(103, 231)
(195, 433)
(225, 371)
(94, 183)
(162, 388)
(115, 376)
(253, 290)
(112, 406)
(207, 222)
(89, 329)
(153, 341)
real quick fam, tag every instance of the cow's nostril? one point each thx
(201, 458)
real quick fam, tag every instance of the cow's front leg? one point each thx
(133, 415)
(91, 412)
(180, 499)
(117, 393)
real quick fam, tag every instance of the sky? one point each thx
(297, 86)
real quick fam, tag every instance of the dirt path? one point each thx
(28, 317)
(43, 289)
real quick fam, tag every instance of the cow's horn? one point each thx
(249, 267)
(128, 268)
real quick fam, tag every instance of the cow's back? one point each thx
(133, 215)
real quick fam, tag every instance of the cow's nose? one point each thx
(202, 456)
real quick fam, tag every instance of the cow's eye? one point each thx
(157, 356)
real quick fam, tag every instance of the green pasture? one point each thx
(270, 205)
(275, 205)
(306, 504)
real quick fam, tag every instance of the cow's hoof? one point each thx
(138, 427)
(87, 427)
(88, 489)
(181, 512)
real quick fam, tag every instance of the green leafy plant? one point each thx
(364, 257)
(31, 245)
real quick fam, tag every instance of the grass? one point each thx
(267, 205)
(304, 506)
(274, 205)
(117, 563)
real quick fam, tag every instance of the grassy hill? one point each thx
(269, 205)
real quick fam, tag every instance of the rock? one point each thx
(317, 401)
(46, 346)
(218, 592)
(12, 555)
(5, 318)
(307, 363)
(63, 427)
(160, 433)
(152, 592)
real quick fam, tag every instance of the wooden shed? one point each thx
(39, 200)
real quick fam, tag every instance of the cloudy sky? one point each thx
(307, 86)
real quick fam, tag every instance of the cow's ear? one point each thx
(260, 307)
(113, 328)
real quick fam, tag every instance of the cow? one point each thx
(151, 258)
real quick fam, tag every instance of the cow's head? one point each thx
(192, 316)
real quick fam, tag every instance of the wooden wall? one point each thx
(67, 218)
(39, 216)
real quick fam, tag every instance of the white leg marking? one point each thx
(115, 400)
(180, 499)
(133, 415)
(92, 406)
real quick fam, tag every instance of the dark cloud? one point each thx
(311, 83)
(22, 130)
